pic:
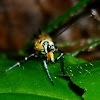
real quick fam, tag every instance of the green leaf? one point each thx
(30, 81)
(87, 77)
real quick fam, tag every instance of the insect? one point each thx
(45, 48)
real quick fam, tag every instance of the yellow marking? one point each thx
(50, 56)
(38, 46)
(44, 36)
(41, 38)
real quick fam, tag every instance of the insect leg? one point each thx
(45, 65)
(61, 54)
(63, 61)
(19, 63)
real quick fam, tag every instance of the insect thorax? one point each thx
(44, 44)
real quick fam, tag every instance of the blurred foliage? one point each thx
(92, 45)
(66, 15)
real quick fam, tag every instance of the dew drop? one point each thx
(81, 67)
(91, 64)
(70, 70)
(55, 77)
(80, 72)
(87, 71)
